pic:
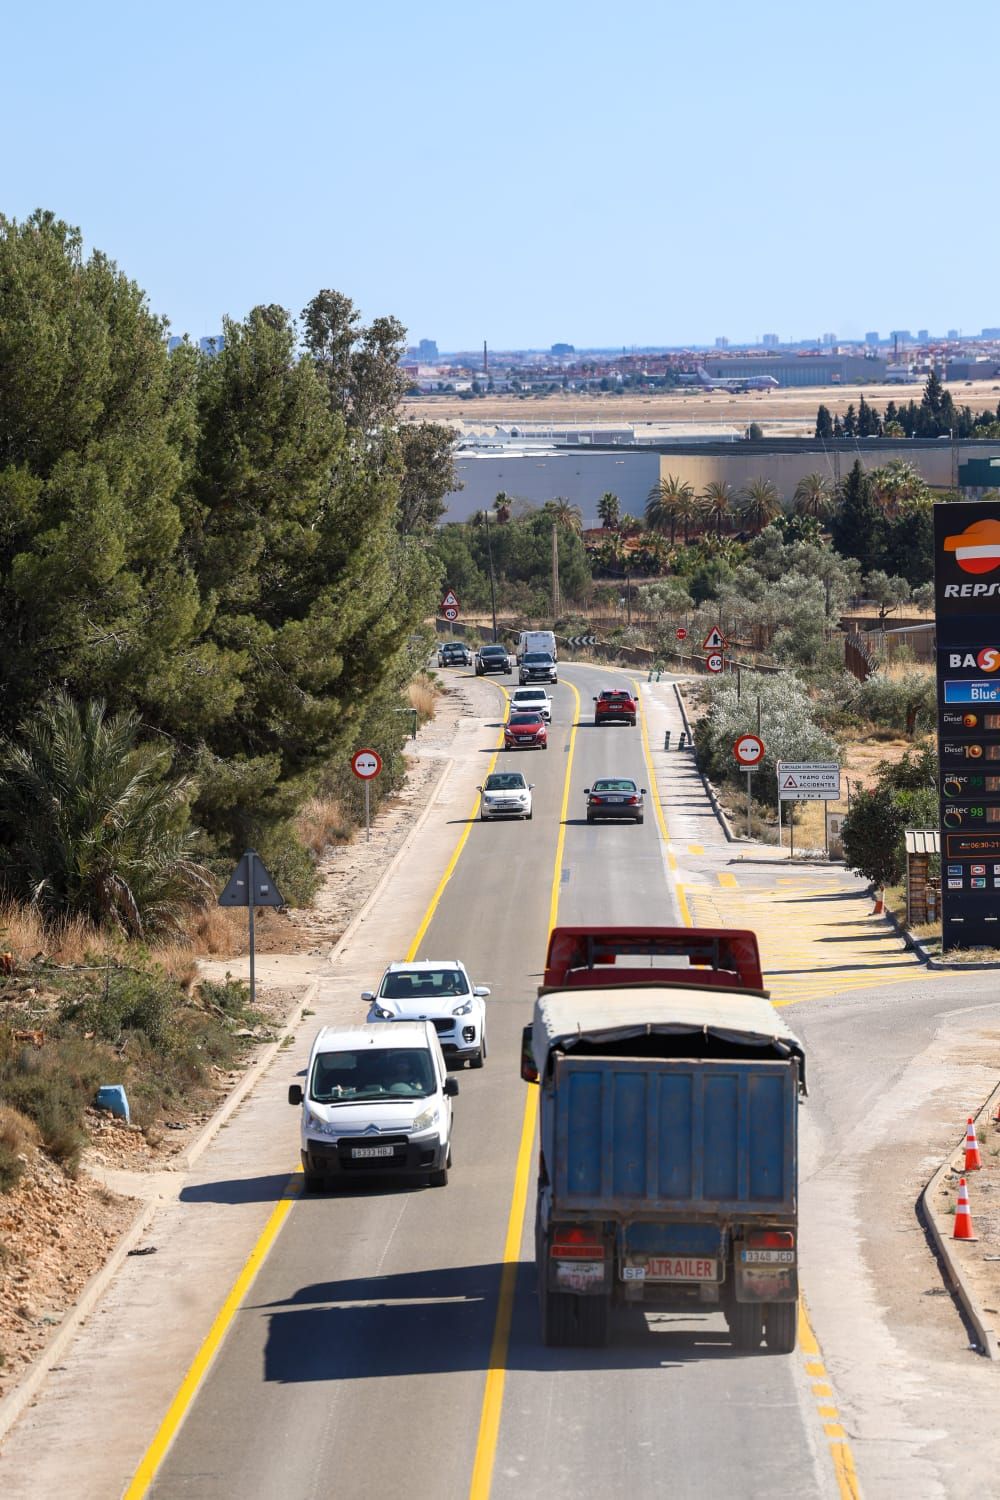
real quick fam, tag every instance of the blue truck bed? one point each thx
(654, 1137)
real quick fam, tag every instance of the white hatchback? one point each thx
(535, 699)
(441, 992)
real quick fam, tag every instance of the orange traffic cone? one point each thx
(973, 1160)
(963, 1217)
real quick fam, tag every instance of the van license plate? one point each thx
(357, 1151)
(681, 1268)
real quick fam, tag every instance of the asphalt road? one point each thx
(357, 1366)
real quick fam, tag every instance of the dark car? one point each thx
(538, 666)
(614, 797)
(525, 731)
(454, 654)
(492, 659)
(614, 705)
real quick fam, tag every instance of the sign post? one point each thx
(806, 781)
(250, 885)
(366, 765)
(967, 596)
(749, 752)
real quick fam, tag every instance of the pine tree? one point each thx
(850, 422)
(824, 424)
(838, 426)
(858, 526)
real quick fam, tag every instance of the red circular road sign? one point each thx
(681, 633)
(366, 764)
(450, 612)
(749, 749)
(715, 661)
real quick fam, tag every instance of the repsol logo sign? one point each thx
(971, 590)
(987, 660)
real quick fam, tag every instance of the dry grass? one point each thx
(71, 941)
(17, 1133)
(423, 693)
(213, 929)
(322, 822)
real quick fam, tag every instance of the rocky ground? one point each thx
(56, 1230)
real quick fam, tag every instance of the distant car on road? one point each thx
(454, 654)
(614, 706)
(615, 797)
(505, 794)
(538, 666)
(531, 699)
(439, 991)
(493, 659)
(525, 731)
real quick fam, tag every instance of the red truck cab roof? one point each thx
(721, 957)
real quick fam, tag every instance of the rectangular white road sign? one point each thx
(808, 781)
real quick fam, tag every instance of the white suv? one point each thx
(532, 698)
(375, 1099)
(438, 991)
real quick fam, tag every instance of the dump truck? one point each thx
(669, 1094)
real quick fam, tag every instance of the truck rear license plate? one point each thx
(357, 1151)
(578, 1274)
(681, 1268)
(768, 1257)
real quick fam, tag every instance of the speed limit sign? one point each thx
(715, 661)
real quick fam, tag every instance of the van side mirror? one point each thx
(295, 1093)
(451, 1087)
(482, 990)
(368, 995)
(529, 1071)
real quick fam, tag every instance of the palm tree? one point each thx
(93, 824)
(609, 511)
(629, 525)
(716, 504)
(760, 503)
(894, 484)
(502, 505)
(564, 513)
(665, 503)
(813, 497)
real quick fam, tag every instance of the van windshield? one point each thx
(372, 1073)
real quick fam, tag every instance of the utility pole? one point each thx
(493, 581)
(556, 605)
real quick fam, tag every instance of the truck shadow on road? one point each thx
(441, 1321)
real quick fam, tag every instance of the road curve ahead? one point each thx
(357, 1367)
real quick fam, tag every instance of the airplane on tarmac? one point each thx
(735, 384)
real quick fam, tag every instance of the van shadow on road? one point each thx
(439, 1322)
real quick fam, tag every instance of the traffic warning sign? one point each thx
(715, 640)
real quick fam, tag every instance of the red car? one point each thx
(615, 705)
(525, 731)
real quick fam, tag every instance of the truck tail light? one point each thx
(576, 1242)
(771, 1239)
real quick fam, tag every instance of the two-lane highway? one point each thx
(358, 1364)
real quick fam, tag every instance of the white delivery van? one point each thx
(376, 1099)
(536, 640)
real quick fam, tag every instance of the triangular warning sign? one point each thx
(789, 784)
(714, 641)
(237, 891)
(450, 600)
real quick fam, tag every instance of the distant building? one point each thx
(174, 342)
(872, 338)
(901, 335)
(991, 333)
(953, 335)
(212, 343)
(829, 339)
(798, 369)
(563, 349)
(427, 350)
(722, 342)
(770, 341)
(923, 337)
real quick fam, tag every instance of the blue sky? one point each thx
(636, 174)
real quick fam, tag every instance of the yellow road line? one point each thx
(727, 879)
(840, 1449)
(496, 1374)
(414, 947)
(178, 1408)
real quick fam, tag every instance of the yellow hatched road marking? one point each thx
(727, 879)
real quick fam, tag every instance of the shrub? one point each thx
(17, 1136)
(905, 704)
(787, 727)
(129, 1000)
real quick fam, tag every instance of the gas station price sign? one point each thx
(967, 600)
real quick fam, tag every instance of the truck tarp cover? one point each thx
(563, 1018)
